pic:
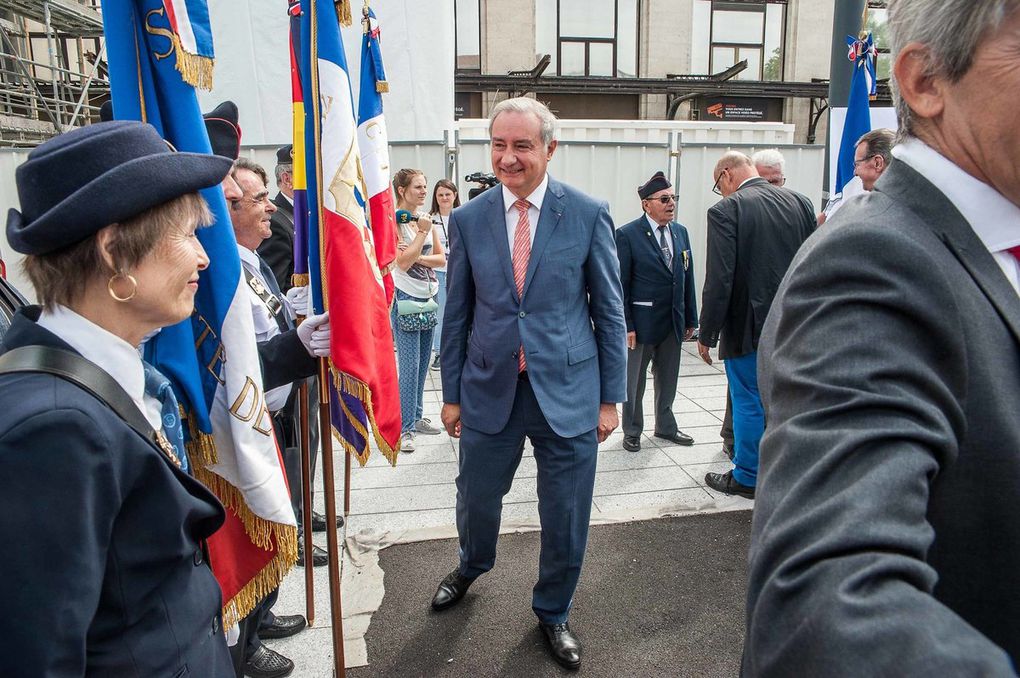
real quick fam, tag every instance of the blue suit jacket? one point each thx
(570, 319)
(656, 298)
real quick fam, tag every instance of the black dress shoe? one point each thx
(319, 557)
(283, 626)
(563, 644)
(319, 522)
(266, 663)
(631, 443)
(678, 438)
(725, 483)
(451, 590)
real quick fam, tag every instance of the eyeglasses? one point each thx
(715, 186)
(777, 181)
(665, 199)
(864, 159)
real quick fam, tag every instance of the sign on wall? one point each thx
(744, 109)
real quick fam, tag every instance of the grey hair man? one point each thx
(771, 166)
(872, 155)
(886, 535)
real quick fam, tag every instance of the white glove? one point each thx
(314, 334)
(298, 298)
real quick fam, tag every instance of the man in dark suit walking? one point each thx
(753, 234)
(278, 249)
(657, 273)
(886, 536)
(533, 347)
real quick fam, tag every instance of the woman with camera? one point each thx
(419, 253)
(444, 199)
(107, 567)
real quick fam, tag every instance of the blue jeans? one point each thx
(441, 300)
(413, 352)
(748, 416)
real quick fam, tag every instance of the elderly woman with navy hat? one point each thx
(104, 530)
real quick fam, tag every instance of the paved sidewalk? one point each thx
(416, 500)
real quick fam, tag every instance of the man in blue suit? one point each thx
(657, 272)
(533, 347)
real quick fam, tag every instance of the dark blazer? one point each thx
(278, 249)
(647, 280)
(570, 317)
(886, 535)
(104, 569)
(752, 237)
(285, 359)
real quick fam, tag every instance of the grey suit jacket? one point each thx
(886, 537)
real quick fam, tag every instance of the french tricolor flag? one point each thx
(375, 154)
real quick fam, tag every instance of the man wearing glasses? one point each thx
(753, 234)
(872, 156)
(657, 272)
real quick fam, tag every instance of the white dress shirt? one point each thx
(266, 326)
(995, 220)
(109, 352)
(658, 238)
(512, 215)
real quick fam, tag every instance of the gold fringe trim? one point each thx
(263, 534)
(299, 279)
(345, 383)
(381, 86)
(343, 11)
(196, 70)
(201, 448)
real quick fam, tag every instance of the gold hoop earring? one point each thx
(128, 277)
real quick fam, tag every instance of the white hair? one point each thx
(769, 157)
(951, 30)
(527, 105)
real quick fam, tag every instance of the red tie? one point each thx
(1015, 251)
(520, 256)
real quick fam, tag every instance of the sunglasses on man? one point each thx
(665, 199)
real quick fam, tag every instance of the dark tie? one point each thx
(158, 387)
(282, 318)
(664, 246)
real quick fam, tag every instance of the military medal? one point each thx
(168, 449)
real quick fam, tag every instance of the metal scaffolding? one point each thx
(53, 72)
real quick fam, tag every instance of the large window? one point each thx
(876, 24)
(589, 37)
(468, 35)
(728, 32)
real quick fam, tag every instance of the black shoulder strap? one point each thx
(85, 375)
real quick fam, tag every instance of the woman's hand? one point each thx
(424, 225)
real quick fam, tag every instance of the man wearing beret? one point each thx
(278, 249)
(657, 272)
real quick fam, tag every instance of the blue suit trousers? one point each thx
(748, 416)
(566, 480)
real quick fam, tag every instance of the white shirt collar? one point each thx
(250, 258)
(745, 181)
(112, 354)
(994, 219)
(651, 222)
(536, 197)
(287, 198)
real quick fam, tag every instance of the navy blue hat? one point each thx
(653, 185)
(224, 132)
(285, 155)
(83, 180)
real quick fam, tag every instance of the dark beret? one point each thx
(83, 180)
(224, 131)
(653, 185)
(285, 155)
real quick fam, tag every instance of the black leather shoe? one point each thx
(631, 443)
(319, 522)
(266, 663)
(319, 557)
(678, 438)
(283, 626)
(451, 590)
(563, 644)
(727, 449)
(725, 483)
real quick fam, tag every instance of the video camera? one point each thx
(484, 180)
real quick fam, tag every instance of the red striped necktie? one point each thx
(520, 257)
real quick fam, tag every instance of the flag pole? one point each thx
(332, 545)
(306, 500)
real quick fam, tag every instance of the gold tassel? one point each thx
(261, 585)
(343, 11)
(196, 70)
(381, 86)
(355, 387)
(202, 446)
(299, 279)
